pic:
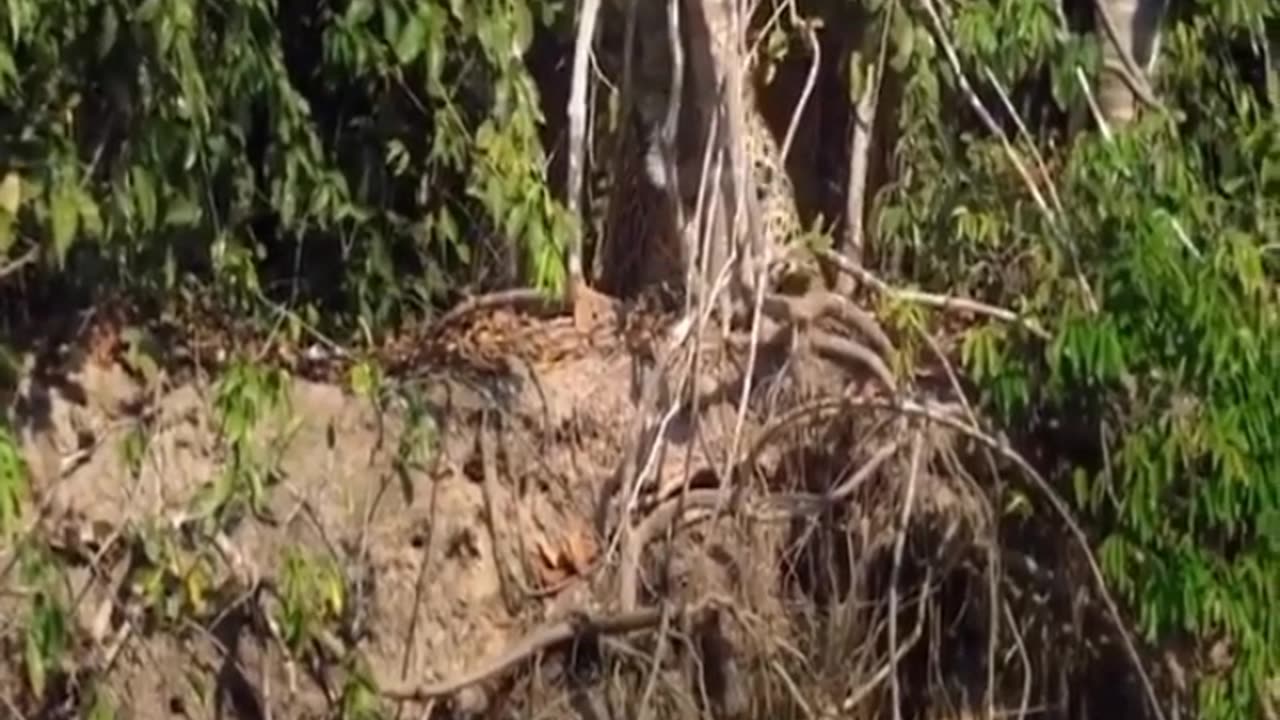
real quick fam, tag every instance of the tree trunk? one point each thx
(1129, 31)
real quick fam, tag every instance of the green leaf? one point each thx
(182, 212)
(10, 193)
(6, 233)
(108, 31)
(64, 214)
(904, 40)
(144, 196)
(411, 41)
(359, 11)
(363, 380)
(90, 218)
(102, 708)
(1080, 482)
(35, 662)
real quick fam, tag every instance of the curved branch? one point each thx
(19, 262)
(1001, 447)
(528, 646)
(717, 500)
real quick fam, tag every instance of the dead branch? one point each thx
(934, 300)
(1000, 445)
(820, 305)
(899, 544)
(527, 647)
(19, 262)
(719, 501)
(810, 81)
(890, 666)
(798, 315)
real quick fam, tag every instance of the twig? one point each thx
(810, 81)
(1001, 447)
(934, 300)
(890, 666)
(14, 712)
(904, 524)
(1036, 155)
(527, 299)
(796, 696)
(790, 503)
(651, 684)
(532, 644)
(1103, 126)
(1026, 661)
(20, 262)
(993, 559)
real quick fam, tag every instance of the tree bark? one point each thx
(1129, 31)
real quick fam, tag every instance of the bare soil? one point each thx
(472, 509)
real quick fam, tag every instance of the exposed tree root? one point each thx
(812, 468)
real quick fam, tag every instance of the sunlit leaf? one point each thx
(64, 217)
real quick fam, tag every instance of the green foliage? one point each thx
(1188, 340)
(360, 699)
(247, 397)
(46, 627)
(1169, 225)
(312, 593)
(176, 578)
(356, 154)
(13, 485)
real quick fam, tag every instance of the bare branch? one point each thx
(941, 302)
(19, 262)
(1000, 446)
(529, 646)
(899, 544)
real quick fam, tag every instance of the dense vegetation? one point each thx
(358, 163)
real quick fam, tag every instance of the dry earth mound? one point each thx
(628, 515)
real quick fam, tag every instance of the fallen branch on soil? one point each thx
(538, 641)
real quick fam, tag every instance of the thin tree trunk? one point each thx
(1129, 31)
(853, 241)
(577, 115)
